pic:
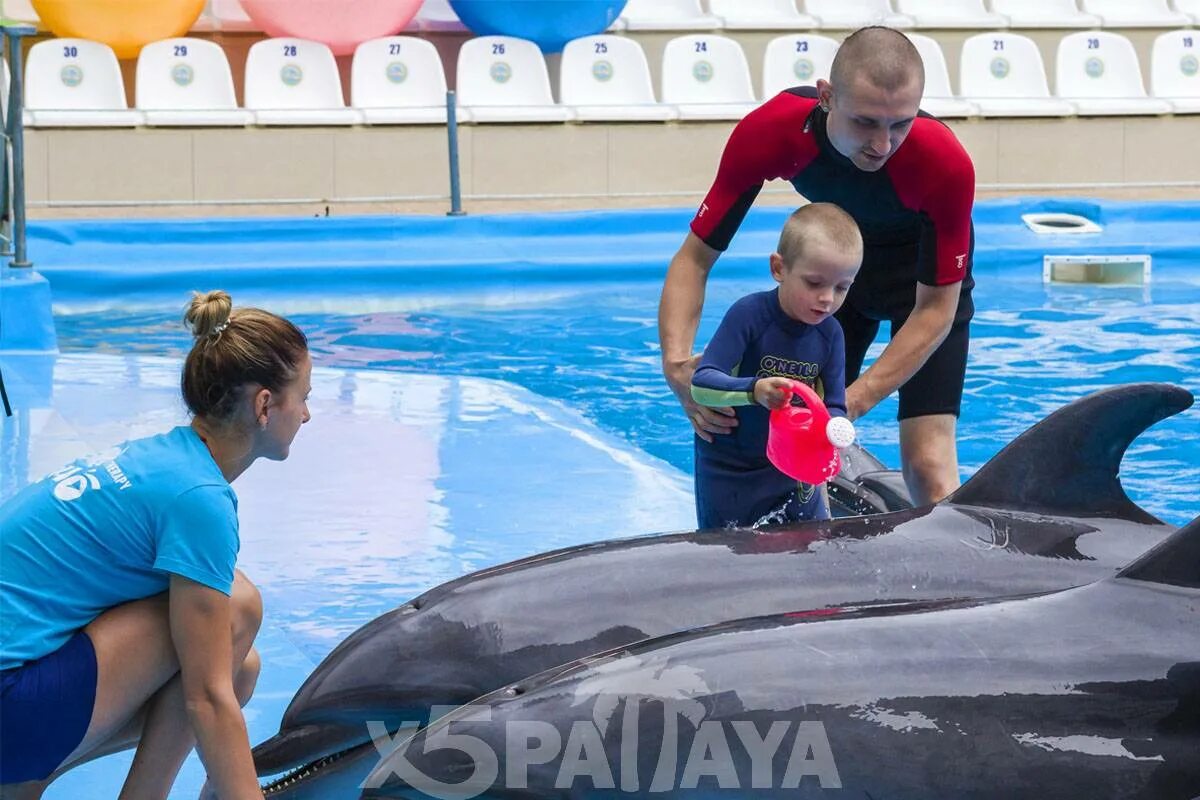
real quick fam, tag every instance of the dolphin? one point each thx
(1047, 512)
(1092, 692)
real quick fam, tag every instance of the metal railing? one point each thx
(456, 209)
(12, 173)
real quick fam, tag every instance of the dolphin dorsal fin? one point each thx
(1175, 560)
(1068, 462)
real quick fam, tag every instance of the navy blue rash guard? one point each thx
(735, 483)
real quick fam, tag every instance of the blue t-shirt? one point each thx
(109, 529)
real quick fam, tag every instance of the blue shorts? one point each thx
(45, 709)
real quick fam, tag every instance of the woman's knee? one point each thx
(31, 790)
(247, 608)
(247, 677)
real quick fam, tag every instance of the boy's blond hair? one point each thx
(823, 222)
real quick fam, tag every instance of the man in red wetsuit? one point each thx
(857, 140)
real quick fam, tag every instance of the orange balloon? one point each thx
(123, 25)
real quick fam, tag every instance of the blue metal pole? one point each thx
(16, 134)
(456, 209)
(5, 194)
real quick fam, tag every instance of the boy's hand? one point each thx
(773, 392)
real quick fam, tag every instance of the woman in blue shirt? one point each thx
(122, 618)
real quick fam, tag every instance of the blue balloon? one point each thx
(550, 23)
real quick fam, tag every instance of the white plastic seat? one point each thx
(939, 98)
(1189, 7)
(797, 60)
(437, 15)
(1044, 14)
(504, 79)
(951, 14)
(762, 15)
(1175, 70)
(1135, 13)
(228, 15)
(1098, 71)
(854, 14)
(19, 11)
(706, 77)
(187, 82)
(399, 80)
(295, 82)
(607, 79)
(75, 83)
(1004, 76)
(667, 15)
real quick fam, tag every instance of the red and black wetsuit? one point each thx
(914, 213)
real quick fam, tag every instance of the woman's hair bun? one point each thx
(208, 313)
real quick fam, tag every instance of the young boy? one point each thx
(766, 341)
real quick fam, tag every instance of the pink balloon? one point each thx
(341, 24)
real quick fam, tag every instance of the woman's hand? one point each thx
(773, 392)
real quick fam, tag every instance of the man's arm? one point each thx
(925, 328)
(678, 318)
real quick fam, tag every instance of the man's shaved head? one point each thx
(885, 57)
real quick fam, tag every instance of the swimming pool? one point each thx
(562, 329)
(1033, 349)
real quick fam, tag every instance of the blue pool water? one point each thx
(419, 309)
(1033, 348)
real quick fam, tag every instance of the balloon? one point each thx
(803, 441)
(550, 23)
(123, 25)
(341, 24)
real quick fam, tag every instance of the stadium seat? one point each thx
(1189, 7)
(1098, 71)
(667, 15)
(763, 15)
(854, 14)
(504, 79)
(1135, 13)
(295, 82)
(707, 77)
(797, 60)
(939, 98)
(1175, 70)
(399, 80)
(607, 79)
(437, 15)
(187, 82)
(18, 11)
(228, 15)
(1044, 14)
(75, 83)
(951, 14)
(1003, 75)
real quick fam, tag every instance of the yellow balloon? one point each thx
(124, 25)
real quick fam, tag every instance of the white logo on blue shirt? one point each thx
(72, 481)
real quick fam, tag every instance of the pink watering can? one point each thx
(803, 441)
